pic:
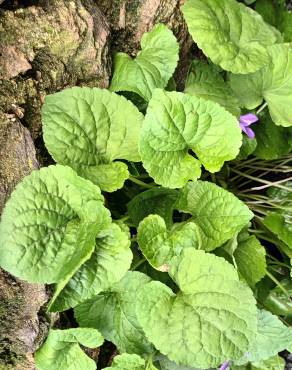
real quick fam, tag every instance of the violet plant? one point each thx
(147, 225)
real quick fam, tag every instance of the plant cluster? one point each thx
(166, 222)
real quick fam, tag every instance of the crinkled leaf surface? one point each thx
(218, 213)
(61, 349)
(108, 263)
(158, 201)
(130, 362)
(272, 141)
(272, 337)
(87, 129)
(175, 123)
(272, 83)
(250, 257)
(185, 327)
(229, 33)
(153, 66)
(49, 225)
(204, 81)
(159, 245)
(114, 314)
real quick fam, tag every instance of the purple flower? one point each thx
(245, 121)
(225, 365)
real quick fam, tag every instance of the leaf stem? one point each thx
(277, 282)
(261, 108)
(141, 183)
(139, 263)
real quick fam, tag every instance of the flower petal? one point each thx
(248, 119)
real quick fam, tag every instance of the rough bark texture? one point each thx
(20, 302)
(45, 46)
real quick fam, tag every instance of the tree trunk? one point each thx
(45, 46)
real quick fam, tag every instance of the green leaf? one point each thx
(114, 314)
(175, 123)
(273, 363)
(230, 34)
(218, 213)
(159, 245)
(272, 337)
(130, 362)
(277, 301)
(108, 263)
(248, 147)
(269, 10)
(49, 225)
(272, 141)
(153, 66)
(204, 81)
(272, 83)
(61, 349)
(166, 364)
(185, 327)
(250, 257)
(281, 225)
(87, 129)
(158, 201)
(275, 13)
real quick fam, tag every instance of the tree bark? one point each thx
(44, 48)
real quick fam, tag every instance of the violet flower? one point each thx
(225, 365)
(245, 121)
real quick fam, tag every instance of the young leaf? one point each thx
(204, 81)
(185, 327)
(272, 337)
(272, 141)
(130, 362)
(87, 129)
(61, 349)
(250, 257)
(230, 34)
(159, 245)
(108, 263)
(218, 213)
(49, 225)
(272, 83)
(175, 123)
(153, 66)
(114, 314)
(158, 201)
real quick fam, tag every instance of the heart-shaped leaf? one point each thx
(159, 245)
(87, 129)
(175, 123)
(152, 67)
(230, 34)
(212, 318)
(61, 349)
(49, 225)
(218, 213)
